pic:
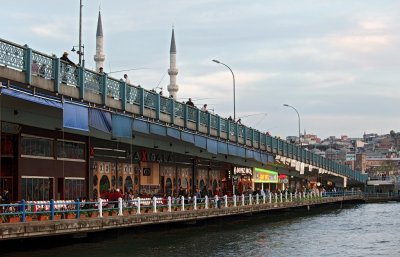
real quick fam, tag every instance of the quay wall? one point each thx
(74, 226)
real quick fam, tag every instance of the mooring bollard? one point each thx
(120, 206)
(100, 206)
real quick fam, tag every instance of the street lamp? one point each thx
(298, 115)
(233, 75)
(81, 48)
(81, 53)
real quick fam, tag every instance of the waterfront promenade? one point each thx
(139, 215)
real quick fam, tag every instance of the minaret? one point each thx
(172, 71)
(99, 57)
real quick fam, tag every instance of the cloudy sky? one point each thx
(337, 62)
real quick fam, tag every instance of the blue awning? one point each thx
(141, 126)
(174, 133)
(75, 116)
(158, 129)
(212, 146)
(32, 98)
(121, 126)
(100, 120)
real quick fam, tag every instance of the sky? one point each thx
(336, 62)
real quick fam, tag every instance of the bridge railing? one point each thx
(104, 90)
(69, 209)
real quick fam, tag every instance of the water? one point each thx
(360, 230)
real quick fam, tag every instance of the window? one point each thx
(70, 150)
(74, 188)
(36, 188)
(37, 146)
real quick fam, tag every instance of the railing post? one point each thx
(81, 82)
(276, 197)
(304, 195)
(154, 204)
(185, 115)
(172, 120)
(285, 196)
(264, 196)
(270, 197)
(23, 203)
(120, 206)
(257, 199)
(219, 127)
(28, 64)
(250, 199)
(158, 106)
(138, 205)
(242, 199)
(169, 204)
(206, 201)
(103, 88)
(194, 202)
(122, 86)
(291, 197)
(78, 206)
(208, 123)
(141, 93)
(100, 206)
(56, 67)
(183, 202)
(197, 119)
(52, 209)
(216, 201)
(234, 200)
(226, 201)
(281, 197)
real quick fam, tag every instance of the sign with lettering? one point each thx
(265, 176)
(242, 171)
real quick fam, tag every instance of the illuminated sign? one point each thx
(265, 176)
(242, 170)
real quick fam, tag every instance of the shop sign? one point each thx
(144, 156)
(242, 171)
(265, 176)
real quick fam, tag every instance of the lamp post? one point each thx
(233, 76)
(81, 48)
(298, 115)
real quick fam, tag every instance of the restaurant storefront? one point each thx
(265, 179)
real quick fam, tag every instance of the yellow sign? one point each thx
(265, 176)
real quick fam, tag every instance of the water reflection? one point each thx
(362, 230)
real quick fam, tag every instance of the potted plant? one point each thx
(43, 216)
(13, 218)
(70, 215)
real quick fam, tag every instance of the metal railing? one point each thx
(25, 211)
